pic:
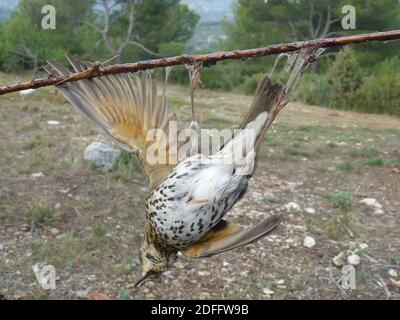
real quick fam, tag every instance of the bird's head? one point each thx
(153, 262)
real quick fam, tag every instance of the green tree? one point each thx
(135, 29)
(25, 44)
(344, 77)
(259, 23)
(95, 30)
(376, 15)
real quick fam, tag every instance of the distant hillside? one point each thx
(6, 7)
(211, 10)
(208, 31)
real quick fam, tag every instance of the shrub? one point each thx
(341, 200)
(249, 84)
(343, 87)
(386, 67)
(223, 76)
(378, 94)
(315, 90)
(344, 76)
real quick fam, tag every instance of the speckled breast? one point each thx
(179, 219)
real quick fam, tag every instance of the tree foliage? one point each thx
(159, 27)
(24, 40)
(258, 23)
(344, 76)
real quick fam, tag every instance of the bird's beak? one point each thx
(142, 279)
(145, 276)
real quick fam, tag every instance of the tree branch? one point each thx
(141, 46)
(329, 22)
(105, 32)
(319, 23)
(293, 29)
(106, 29)
(310, 22)
(96, 28)
(205, 59)
(130, 28)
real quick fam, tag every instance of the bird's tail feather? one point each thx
(268, 101)
(269, 98)
(265, 98)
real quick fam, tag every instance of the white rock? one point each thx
(53, 122)
(54, 231)
(280, 281)
(292, 206)
(203, 273)
(354, 260)
(371, 202)
(179, 264)
(267, 291)
(363, 247)
(379, 211)
(348, 271)
(395, 283)
(101, 155)
(339, 260)
(310, 210)
(26, 92)
(1, 247)
(92, 277)
(82, 294)
(393, 273)
(37, 175)
(297, 227)
(205, 295)
(309, 242)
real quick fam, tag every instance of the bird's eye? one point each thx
(152, 258)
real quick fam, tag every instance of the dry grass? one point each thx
(88, 224)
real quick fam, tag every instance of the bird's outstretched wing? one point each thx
(125, 106)
(227, 236)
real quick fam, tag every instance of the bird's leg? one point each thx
(195, 82)
(193, 107)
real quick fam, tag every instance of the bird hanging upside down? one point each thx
(189, 198)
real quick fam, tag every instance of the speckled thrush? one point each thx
(188, 198)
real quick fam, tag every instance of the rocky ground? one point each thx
(334, 176)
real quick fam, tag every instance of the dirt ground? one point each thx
(57, 209)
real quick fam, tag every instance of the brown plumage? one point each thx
(189, 196)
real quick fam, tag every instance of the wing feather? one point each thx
(124, 106)
(229, 237)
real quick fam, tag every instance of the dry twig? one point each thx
(204, 59)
